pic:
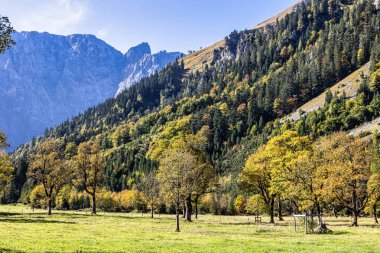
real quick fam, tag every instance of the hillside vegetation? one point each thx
(349, 86)
(200, 58)
(220, 128)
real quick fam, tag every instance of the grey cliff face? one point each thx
(45, 79)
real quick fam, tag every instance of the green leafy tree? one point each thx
(6, 30)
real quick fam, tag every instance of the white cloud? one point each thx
(102, 33)
(56, 16)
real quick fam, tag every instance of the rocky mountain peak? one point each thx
(136, 53)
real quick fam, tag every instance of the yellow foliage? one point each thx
(173, 131)
(37, 197)
(256, 205)
(223, 107)
(239, 204)
(6, 169)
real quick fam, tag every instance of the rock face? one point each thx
(140, 62)
(45, 79)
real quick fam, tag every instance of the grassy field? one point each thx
(24, 231)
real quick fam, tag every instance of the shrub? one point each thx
(37, 197)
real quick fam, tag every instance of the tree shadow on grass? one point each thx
(4, 250)
(26, 220)
(339, 233)
(8, 214)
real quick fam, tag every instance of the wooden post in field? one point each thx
(305, 223)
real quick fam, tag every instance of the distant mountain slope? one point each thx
(47, 78)
(145, 64)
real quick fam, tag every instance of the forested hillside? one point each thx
(235, 102)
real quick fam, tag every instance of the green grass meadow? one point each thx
(24, 231)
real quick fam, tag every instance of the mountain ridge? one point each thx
(47, 78)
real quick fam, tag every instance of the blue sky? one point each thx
(174, 25)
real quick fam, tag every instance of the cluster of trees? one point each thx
(52, 165)
(71, 176)
(333, 173)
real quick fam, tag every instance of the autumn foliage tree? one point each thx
(374, 181)
(256, 178)
(177, 137)
(48, 167)
(175, 175)
(345, 172)
(89, 168)
(6, 169)
(149, 186)
(6, 165)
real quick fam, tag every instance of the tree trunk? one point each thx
(196, 207)
(189, 209)
(279, 211)
(334, 212)
(319, 213)
(93, 204)
(354, 210)
(152, 210)
(177, 217)
(375, 213)
(184, 211)
(49, 205)
(272, 210)
(355, 216)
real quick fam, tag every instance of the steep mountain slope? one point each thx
(348, 85)
(197, 60)
(142, 64)
(46, 79)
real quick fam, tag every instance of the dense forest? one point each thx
(216, 118)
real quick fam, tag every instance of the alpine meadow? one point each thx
(265, 141)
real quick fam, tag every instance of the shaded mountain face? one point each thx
(45, 79)
(146, 65)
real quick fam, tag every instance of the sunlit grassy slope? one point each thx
(23, 231)
(349, 85)
(279, 16)
(198, 59)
